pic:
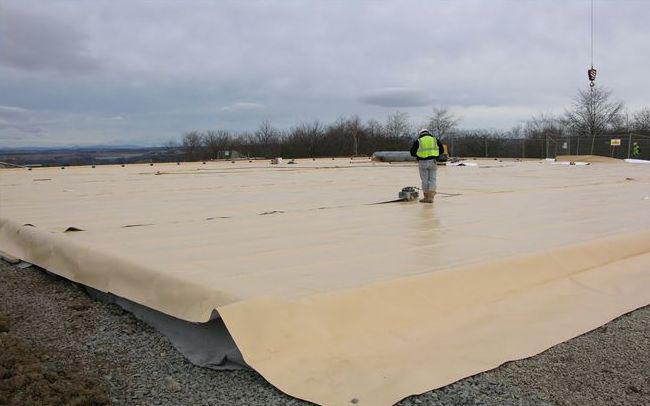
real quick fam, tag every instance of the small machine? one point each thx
(408, 193)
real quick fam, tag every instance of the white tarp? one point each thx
(334, 299)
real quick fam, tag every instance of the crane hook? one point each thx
(591, 73)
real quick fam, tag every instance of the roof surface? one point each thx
(300, 245)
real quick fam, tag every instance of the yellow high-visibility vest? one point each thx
(428, 147)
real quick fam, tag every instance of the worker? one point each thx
(426, 149)
(636, 150)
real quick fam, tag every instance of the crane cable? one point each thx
(591, 73)
(592, 82)
(592, 34)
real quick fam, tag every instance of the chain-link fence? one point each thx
(624, 146)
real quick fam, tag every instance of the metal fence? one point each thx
(549, 147)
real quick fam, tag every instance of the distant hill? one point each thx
(89, 155)
(97, 147)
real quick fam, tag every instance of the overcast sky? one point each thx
(144, 72)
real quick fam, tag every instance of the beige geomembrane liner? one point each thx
(336, 300)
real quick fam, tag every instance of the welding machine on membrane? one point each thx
(409, 193)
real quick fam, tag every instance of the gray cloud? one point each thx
(16, 118)
(22, 128)
(12, 112)
(167, 67)
(242, 107)
(36, 40)
(397, 97)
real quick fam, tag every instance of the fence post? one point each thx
(486, 151)
(547, 147)
(523, 148)
(629, 144)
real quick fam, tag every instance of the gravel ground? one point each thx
(58, 346)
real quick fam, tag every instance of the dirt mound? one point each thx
(28, 376)
(586, 158)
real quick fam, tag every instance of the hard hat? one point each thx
(424, 131)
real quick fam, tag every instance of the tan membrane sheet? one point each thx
(337, 300)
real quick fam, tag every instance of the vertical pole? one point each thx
(629, 142)
(486, 151)
(547, 147)
(523, 148)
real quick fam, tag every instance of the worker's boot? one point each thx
(432, 194)
(428, 197)
(425, 196)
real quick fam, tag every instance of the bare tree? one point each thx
(354, 127)
(375, 135)
(442, 122)
(641, 120)
(217, 142)
(592, 112)
(374, 128)
(266, 134)
(242, 145)
(306, 138)
(192, 142)
(397, 125)
(267, 139)
(544, 125)
(517, 131)
(398, 132)
(338, 139)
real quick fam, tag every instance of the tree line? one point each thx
(592, 114)
(347, 136)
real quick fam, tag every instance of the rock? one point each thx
(4, 324)
(172, 385)
(79, 307)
